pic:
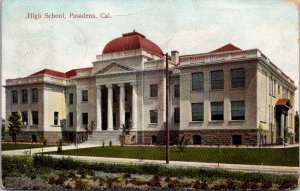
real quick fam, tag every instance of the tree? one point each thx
(14, 127)
(3, 131)
(297, 127)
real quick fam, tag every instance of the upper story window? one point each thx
(278, 89)
(14, 113)
(34, 95)
(238, 110)
(153, 90)
(197, 81)
(55, 118)
(25, 96)
(197, 112)
(238, 78)
(153, 116)
(85, 95)
(274, 88)
(176, 115)
(14, 96)
(71, 98)
(217, 111)
(177, 90)
(35, 117)
(217, 79)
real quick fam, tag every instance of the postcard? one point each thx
(152, 95)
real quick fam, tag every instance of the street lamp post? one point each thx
(167, 112)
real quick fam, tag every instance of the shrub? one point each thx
(103, 144)
(59, 148)
(110, 143)
(44, 140)
(182, 144)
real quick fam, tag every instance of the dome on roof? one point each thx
(132, 41)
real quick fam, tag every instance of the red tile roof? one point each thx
(50, 73)
(227, 47)
(54, 73)
(132, 41)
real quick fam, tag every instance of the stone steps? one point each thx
(98, 137)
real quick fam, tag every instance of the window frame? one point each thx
(194, 80)
(33, 119)
(156, 94)
(212, 116)
(34, 95)
(154, 111)
(24, 92)
(237, 80)
(177, 91)
(22, 115)
(55, 118)
(82, 118)
(176, 115)
(238, 117)
(215, 81)
(201, 104)
(71, 121)
(84, 95)
(14, 95)
(71, 101)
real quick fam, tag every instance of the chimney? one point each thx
(175, 57)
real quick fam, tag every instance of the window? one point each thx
(278, 89)
(238, 78)
(217, 80)
(197, 81)
(14, 96)
(153, 116)
(196, 139)
(274, 88)
(270, 86)
(24, 96)
(238, 110)
(153, 90)
(197, 111)
(85, 95)
(71, 97)
(35, 117)
(177, 90)
(217, 111)
(71, 119)
(176, 115)
(55, 118)
(25, 117)
(236, 139)
(34, 95)
(85, 118)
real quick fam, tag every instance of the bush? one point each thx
(110, 143)
(44, 140)
(182, 144)
(59, 148)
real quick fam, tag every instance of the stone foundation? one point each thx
(203, 137)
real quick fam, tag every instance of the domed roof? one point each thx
(132, 41)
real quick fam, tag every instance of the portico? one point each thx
(115, 100)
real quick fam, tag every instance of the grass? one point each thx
(255, 156)
(12, 146)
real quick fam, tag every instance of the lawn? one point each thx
(12, 146)
(256, 156)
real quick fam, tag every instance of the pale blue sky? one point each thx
(192, 26)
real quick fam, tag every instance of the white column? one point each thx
(78, 109)
(134, 106)
(282, 126)
(122, 104)
(109, 108)
(98, 106)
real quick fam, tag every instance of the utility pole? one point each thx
(167, 111)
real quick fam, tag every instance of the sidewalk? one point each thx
(173, 164)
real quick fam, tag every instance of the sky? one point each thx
(188, 26)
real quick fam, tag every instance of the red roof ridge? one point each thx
(226, 48)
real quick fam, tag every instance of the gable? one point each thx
(114, 68)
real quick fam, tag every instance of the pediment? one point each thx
(114, 68)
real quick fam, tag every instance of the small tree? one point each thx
(14, 127)
(182, 144)
(3, 131)
(59, 148)
(260, 130)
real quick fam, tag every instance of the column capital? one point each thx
(98, 87)
(109, 85)
(133, 83)
(121, 85)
